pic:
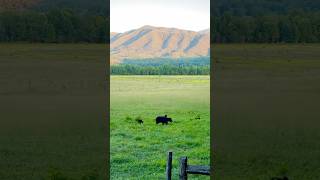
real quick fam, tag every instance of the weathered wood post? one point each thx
(169, 166)
(183, 168)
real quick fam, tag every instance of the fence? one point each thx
(185, 168)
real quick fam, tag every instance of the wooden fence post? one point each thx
(169, 166)
(183, 168)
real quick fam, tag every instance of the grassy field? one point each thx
(266, 111)
(139, 151)
(266, 115)
(52, 104)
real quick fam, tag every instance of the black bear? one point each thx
(163, 119)
(140, 121)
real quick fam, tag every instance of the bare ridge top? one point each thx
(154, 42)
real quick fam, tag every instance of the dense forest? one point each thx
(262, 7)
(57, 21)
(163, 66)
(265, 21)
(296, 27)
(93, 7)
(165, 69)
(232, 21)
(52, 26)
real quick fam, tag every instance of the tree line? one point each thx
(166, 69)
(296, 27)
(54, 26)
(93, 7)
(232, 21)
(265, 21)
(262, 7)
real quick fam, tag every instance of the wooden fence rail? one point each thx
(169, 166)
(185, 169)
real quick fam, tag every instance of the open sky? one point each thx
(183, 14)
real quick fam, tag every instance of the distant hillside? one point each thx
(157, 42)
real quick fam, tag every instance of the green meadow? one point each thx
(138, 151)
(52, 104)
(266, 114)
(266, 111)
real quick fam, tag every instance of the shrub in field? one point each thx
(128, 119)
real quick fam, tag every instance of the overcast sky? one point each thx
(184, 14)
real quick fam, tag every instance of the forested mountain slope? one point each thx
(156, 42)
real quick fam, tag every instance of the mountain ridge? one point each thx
(158, 42)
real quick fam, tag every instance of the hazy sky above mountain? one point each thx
(183, 14)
